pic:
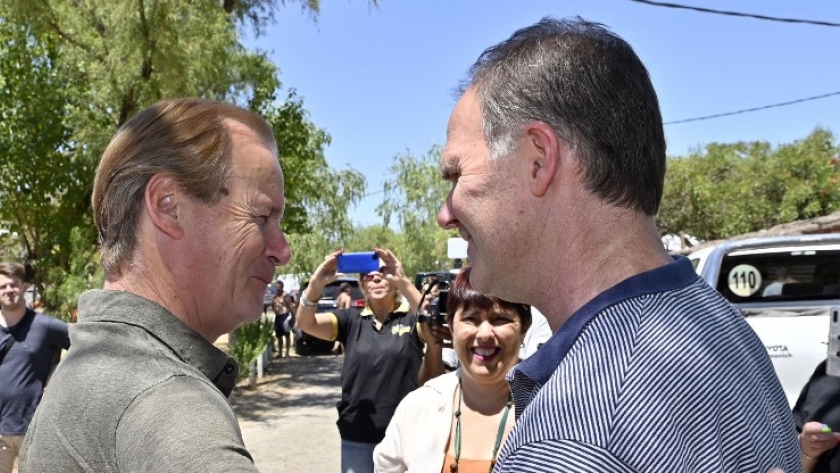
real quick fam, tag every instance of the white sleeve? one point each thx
(388, 455)
(538, 334)
(450, 358)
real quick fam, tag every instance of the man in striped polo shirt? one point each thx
(556, 155)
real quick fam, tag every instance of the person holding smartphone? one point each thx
(383, 351)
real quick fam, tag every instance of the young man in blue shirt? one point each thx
(29, 346)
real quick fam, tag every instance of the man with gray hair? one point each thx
(556, 155)
(188, 199)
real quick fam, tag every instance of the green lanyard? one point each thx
(499, 434)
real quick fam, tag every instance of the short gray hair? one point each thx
(589, 85)
(186, 138)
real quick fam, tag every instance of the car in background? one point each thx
(424, 278)
(785, 288)
(306, 344)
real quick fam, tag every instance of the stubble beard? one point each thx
(15, 304)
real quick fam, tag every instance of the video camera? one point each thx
(437, 309)
(436, 314)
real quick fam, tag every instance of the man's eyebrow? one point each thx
(448, 166)
(268, 204)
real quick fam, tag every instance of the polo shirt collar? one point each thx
(27, 315)
(401, 310)
(541, 365)
(185, 343)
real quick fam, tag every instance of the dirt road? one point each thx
(288, 421)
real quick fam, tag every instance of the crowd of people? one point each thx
(555, 153)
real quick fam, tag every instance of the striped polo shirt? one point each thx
(657, 374)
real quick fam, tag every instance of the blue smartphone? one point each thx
(363, 262)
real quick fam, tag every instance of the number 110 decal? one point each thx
(744, 280)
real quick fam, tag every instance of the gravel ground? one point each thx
(288, 421)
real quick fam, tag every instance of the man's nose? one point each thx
(279, 251)
(446, 218)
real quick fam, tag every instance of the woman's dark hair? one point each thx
(462, 295)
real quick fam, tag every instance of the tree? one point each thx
(74, 71)
(250, 341)
(414, 196)
(83, 274)
(730, 189)
(369, 237)
(43, 182)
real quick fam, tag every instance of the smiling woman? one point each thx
(465, 416)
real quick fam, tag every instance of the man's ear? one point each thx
(162, 199)
(545, 156)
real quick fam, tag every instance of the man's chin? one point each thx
(12, 305)
(252, 317)
(485, 282)
(478, 281)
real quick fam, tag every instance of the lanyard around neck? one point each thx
(499, 433)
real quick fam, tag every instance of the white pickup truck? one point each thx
(785, 287)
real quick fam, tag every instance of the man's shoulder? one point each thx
(177, 388)
(165, 411)
(691, 306)
(115, 381)
(45, 318)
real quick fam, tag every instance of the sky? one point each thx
(381, 80)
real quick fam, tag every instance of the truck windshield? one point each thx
(780, 274)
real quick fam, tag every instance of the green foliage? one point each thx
(317, 197)
(414, 196)
(369, 237)
(72, 72)
(8, 245)
(43, 179)
(327, 222)
(744, 187)
(250, 340)
(260, 13)
(84, 274)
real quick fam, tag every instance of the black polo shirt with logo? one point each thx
(380, 368)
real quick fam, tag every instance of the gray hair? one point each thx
(185, 138)
(589, 85)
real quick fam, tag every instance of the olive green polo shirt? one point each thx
(138, 391)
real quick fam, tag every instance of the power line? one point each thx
(755, 109)
(373, 193)
(732, 13)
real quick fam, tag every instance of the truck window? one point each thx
(780, 275)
